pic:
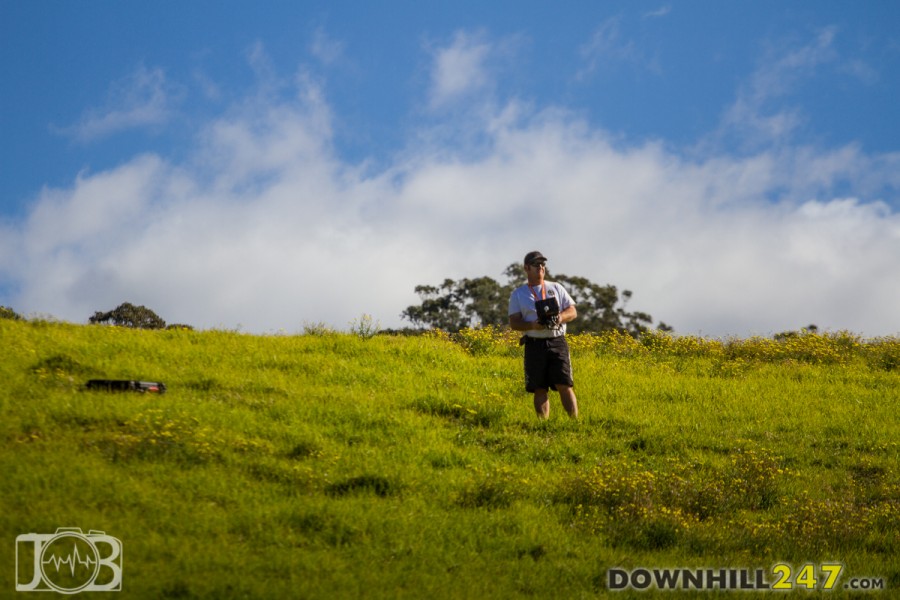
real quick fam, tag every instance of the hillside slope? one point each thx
(333, 466)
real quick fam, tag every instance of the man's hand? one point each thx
(568, 315)
(518, 323)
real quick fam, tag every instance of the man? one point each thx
(547, 361)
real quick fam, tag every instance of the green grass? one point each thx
(345, 466)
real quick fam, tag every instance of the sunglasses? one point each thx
(539, 264)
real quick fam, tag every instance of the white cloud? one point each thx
(459, 69)
(755, 115)
(208, 88)
(267, 228)
(608, 47)
(325, 48)
(662, 11)
(143, 99)
(861, 71)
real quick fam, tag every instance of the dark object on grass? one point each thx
(376, 484)
(125, 385)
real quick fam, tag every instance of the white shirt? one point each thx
(522, 300)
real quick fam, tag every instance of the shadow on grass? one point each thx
(477, 415)
(366, 484)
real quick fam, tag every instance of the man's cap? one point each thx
(534, 257)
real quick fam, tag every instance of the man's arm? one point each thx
(568, 315)
(517, 322)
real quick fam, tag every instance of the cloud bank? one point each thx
(266, 227)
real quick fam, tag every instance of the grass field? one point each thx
(353, 466)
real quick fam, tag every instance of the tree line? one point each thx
(457, 304)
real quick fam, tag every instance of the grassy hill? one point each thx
(343, 466)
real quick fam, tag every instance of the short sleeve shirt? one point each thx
(522, 300)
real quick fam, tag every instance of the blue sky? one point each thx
(269, 164)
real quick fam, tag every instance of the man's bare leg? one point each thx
(569, 402)
(541, 403)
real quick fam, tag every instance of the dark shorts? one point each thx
(547, 363)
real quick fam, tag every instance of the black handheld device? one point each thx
(548, 312)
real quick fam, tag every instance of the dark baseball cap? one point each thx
(534, 257)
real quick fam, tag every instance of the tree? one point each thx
(787, 335)
(455, 305)
(8, 313)
(129, 315)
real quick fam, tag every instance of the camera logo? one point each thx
(68, 561)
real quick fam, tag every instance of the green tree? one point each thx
(455, 305)
(8, 313)
(129, 315)
(482, 301)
